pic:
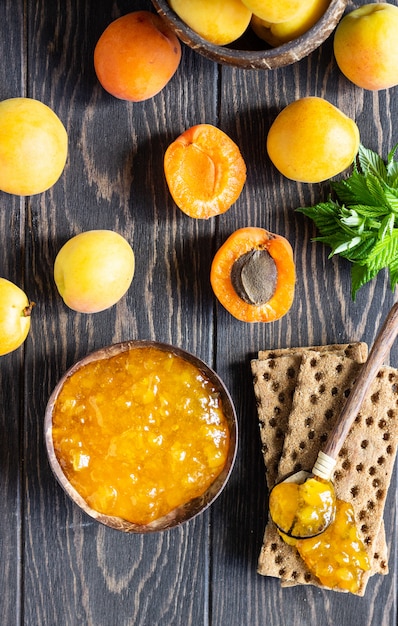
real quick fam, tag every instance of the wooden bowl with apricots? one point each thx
(141, 435)
(252, 34)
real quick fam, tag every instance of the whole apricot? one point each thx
(277, 34)
(274, 11)
(136, 56)
(33, 146)
(365, 46)
(93, 270)
(15, 310)
(311, 140)
(218, 21)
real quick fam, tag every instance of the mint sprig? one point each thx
(360, 223)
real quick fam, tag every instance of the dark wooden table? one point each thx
(57, 566)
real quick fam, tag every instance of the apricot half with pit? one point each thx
(253, 275)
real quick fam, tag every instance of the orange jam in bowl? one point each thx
(142, 435)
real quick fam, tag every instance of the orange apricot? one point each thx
(136, 56)
(253, 275)
(205, 171)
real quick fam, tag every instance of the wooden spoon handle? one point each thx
(368, 373)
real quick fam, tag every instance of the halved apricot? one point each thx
(253, 275)
(205, 171)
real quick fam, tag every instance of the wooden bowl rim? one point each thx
(181, 514)
(266, 59)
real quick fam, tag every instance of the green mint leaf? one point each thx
(360, 253)
(392, 168)
(360, 276)
(384, 252)
(360, 223)
(370, 212)
(376, 189)
(346, 246)
(391, 197)
(325, 215)
(386, 227)
(371, 163)
(353, 190)
(393, 271)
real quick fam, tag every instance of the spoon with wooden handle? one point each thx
(295, 524)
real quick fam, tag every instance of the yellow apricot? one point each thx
(93, 270)
(282, 32)
(365, 46)
(33, 146)
(15, 310)
(311, 140)
(217, 21)
(274, 11)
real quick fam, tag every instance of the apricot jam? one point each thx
(302, 510)
(140, 433)
(337, 557)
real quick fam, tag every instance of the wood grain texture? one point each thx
(57, 565)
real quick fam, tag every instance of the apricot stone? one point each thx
(311, 140)
(218, 21)
(366, 46)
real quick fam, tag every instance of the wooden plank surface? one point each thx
(57, 567)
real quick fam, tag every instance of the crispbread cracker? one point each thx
(357, 351)
(364, 467)
(275, 374)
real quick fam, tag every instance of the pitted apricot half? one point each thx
(253, 275)
(205, 171)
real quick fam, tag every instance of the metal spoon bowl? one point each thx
(299, 524)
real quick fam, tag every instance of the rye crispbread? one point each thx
(275, 375)
(364, 468)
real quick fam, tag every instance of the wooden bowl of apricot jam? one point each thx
(262, 45)
(141, 435)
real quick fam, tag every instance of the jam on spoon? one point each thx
(303, 504)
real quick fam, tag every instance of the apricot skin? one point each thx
(93, 270)
(14, 316)
(218, 21)
(365, 46)
(311, 140)
(274, 11)
(33, 146)
(136, 56)
(282, 32)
